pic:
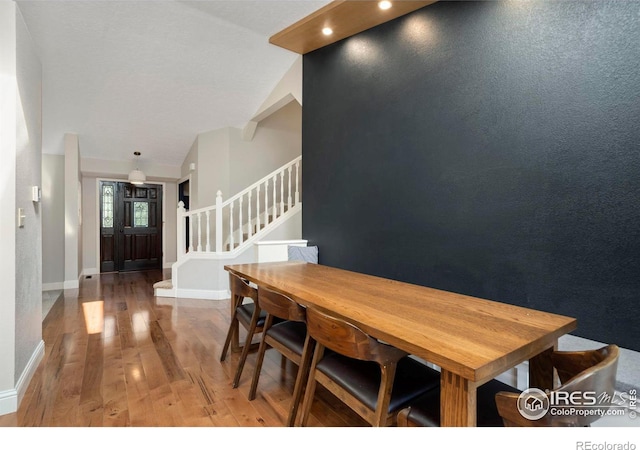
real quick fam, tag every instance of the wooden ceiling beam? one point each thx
(345, 18)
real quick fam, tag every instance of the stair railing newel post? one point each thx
(180, 225)
(219, 248)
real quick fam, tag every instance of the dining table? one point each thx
(471, 340)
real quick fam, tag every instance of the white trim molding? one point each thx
(10, 399)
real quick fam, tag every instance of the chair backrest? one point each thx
(591, 371)
(241, 287)
(280, 305)
(348, 340)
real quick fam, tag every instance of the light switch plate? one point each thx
(35, 193)
(21, 217)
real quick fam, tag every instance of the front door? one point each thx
(130, 226)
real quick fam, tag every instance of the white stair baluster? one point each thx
(274, 208)
(241, 239)
(199, 231)
(219, 222)
(258, 209)
(208, 246)
(297, 182)
(231, 226)
(249, 233)
(289, 189)
(192, 235)
(282, 192)
(266, 203)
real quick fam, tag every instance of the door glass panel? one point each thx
(140, 214)
(107, 206)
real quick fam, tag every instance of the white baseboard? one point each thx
(89, 271)
(53, 286)
(8, 402)
(10, 399)
(162, 292)
(168, 265)
(71, 284)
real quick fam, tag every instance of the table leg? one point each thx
(457, 401)
(541, 369)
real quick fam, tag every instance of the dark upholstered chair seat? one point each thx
(246, 311)
(425, 412)
(362, 379)
(290, 334)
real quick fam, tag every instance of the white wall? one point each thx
(185, 171)
(21, 347)
(213, 166)
(28, 174)
(277, 141)
(8, 100)
(226, 162)
(53, 216)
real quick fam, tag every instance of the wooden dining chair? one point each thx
(372, 378)
(579, 372)
(247, 314)
(289, 337)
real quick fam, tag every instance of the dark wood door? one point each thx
(130, 226)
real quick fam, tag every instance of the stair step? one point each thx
(164, 284)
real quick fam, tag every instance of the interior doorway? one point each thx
(130, 226)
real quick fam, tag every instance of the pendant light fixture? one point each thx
(136, 176)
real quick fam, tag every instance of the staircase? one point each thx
(225, 233)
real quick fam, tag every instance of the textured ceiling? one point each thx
(151, 75)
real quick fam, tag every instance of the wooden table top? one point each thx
(474, 338)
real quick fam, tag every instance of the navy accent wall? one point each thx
(487, 148)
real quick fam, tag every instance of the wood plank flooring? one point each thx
(116, 356)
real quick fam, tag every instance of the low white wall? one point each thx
(204, 277)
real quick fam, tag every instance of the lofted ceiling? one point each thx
(150, 75)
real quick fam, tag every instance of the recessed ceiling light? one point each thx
(327, 31)
(384, 4)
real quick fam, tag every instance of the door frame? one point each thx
(97, 224)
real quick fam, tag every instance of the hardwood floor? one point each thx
(116, 356)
